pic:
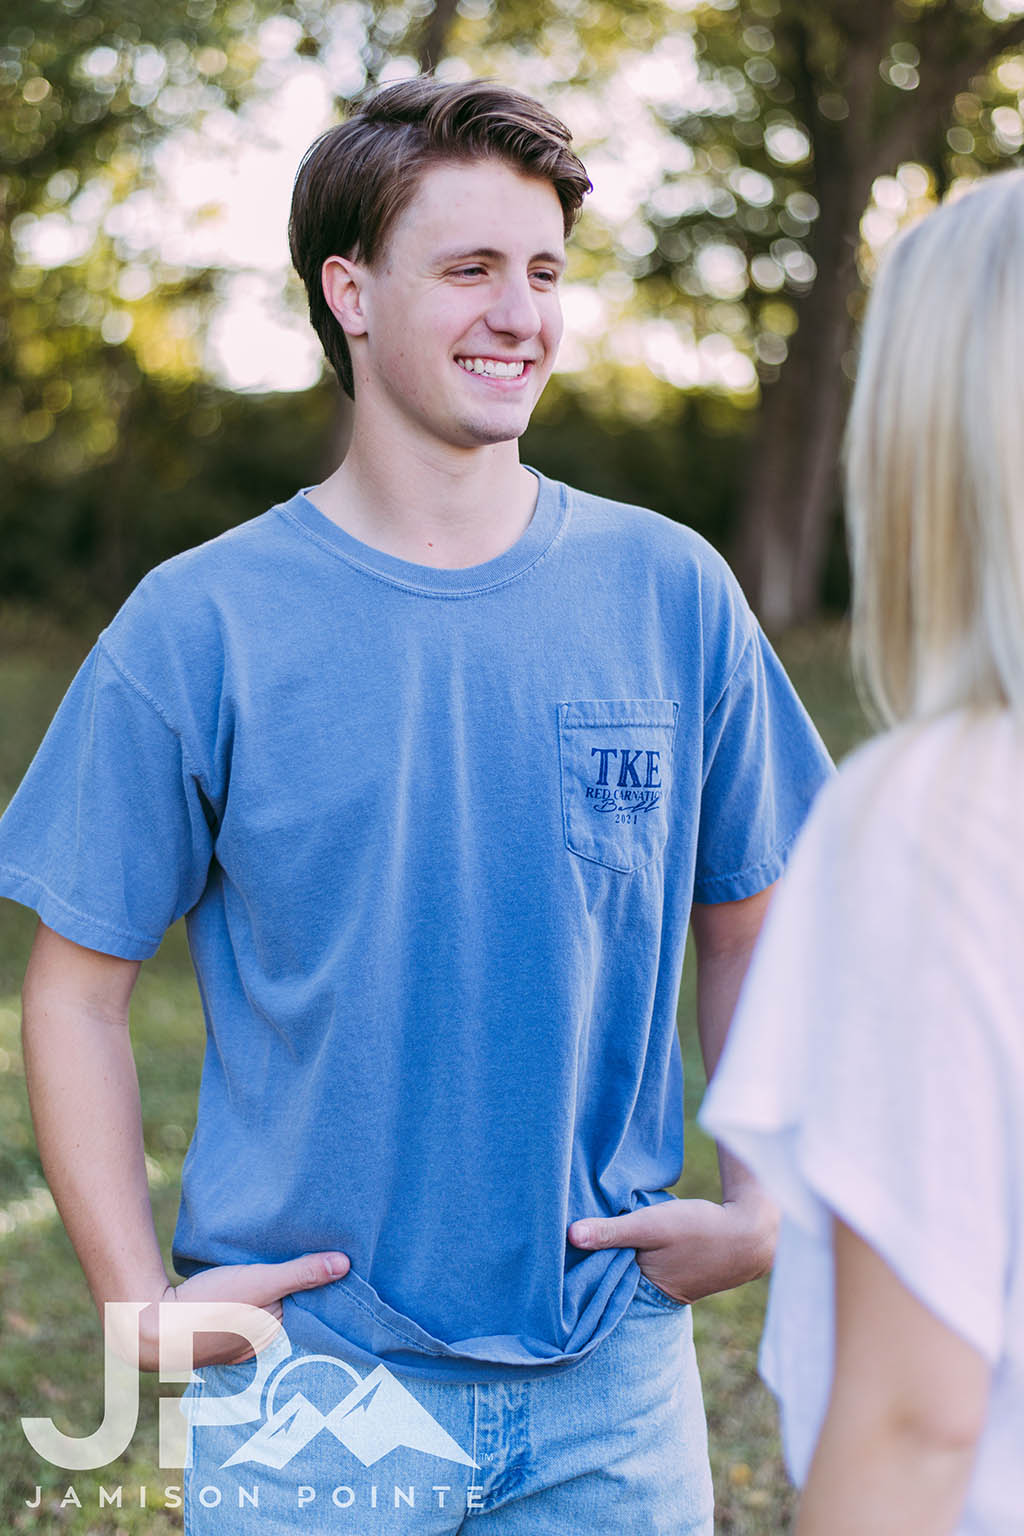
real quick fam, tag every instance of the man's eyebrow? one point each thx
(488, 253)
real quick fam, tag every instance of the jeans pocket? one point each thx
(616, 762)
(656, 1296)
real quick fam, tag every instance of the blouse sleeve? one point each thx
(869, 1071)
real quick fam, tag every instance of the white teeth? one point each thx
(491, 367)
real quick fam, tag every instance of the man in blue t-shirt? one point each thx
(439, 759)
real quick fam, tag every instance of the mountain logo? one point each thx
(377, 1416)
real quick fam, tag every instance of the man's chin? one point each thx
(487, 434)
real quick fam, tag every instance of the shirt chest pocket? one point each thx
(616, 764)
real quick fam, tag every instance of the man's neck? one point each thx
(432, 505)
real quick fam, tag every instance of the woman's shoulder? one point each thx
(944, 783)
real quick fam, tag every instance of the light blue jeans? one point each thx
(616, 1444)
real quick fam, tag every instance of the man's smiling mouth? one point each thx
(492, 367)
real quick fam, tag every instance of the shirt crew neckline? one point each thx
(548, 517)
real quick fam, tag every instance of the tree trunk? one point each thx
(791, 493)
(433, 43)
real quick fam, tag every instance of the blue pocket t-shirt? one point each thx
(436, 835)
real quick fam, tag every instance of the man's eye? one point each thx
(467, 272)
(543, 275)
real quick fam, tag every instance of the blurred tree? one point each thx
(86, 88)
(434, 35)
(800, 112)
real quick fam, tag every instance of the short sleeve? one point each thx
(107, 838)
(764, 762)
(867, 1072)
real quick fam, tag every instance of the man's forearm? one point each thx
(725, 937)
(84, 1096)
(719, 980)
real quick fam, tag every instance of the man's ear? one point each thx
(342, 281)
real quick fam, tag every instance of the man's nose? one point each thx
(514, 311)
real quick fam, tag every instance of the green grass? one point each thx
(50, 1345)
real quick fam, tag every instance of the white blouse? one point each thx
(875, 1069)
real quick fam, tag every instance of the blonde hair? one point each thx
(935, 463)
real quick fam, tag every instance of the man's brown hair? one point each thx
(357, 178)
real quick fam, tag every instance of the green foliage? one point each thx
(87, 87)
(768, 129)
(192, 461)
(682, 459)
